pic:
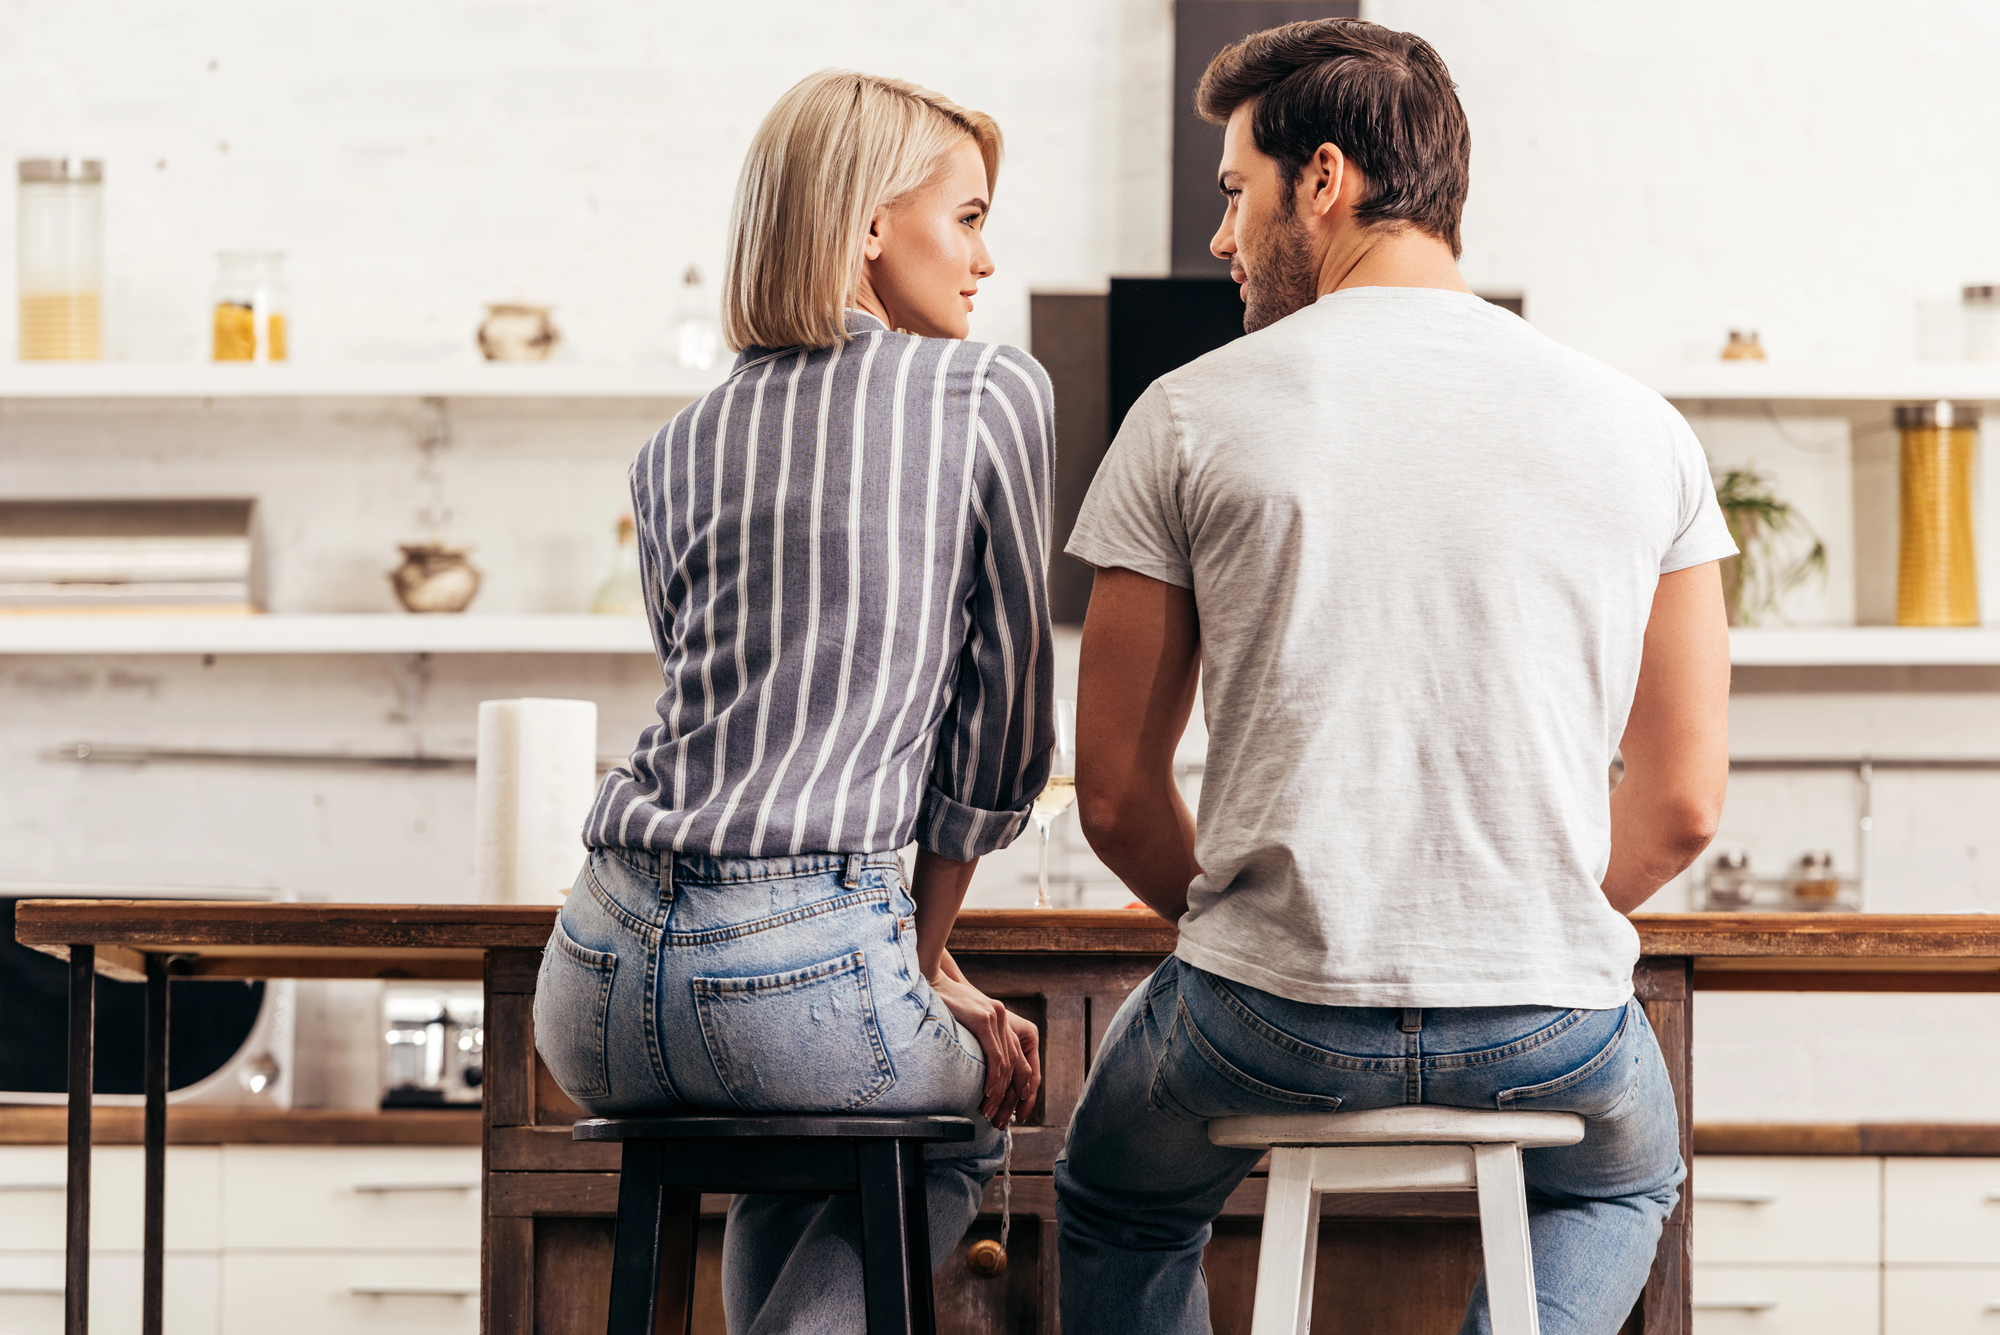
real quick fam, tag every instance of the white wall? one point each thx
(416, 161)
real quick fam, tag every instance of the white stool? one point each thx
(1414, 1147)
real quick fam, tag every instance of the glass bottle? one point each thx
(1729, 884)
(621, 593)
(697, 337)
(1937, 577)
(1980, 322)
(1743, 346)
(1813, 881)
(61, 258)
(249, 302)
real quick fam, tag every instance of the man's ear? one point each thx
(1327, 175)
(871, 248)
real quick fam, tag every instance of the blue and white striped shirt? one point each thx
(844, 552)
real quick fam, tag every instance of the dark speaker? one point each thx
(1158, 324)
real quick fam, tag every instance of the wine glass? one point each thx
(1060, 794)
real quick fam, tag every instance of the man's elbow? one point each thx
(1107, 817)
(1688, 826)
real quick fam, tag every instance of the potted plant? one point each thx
(1778, 548)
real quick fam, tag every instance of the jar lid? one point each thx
(1816, 860)
(90, 170)
(1981, 294)
(1923, 416)
(1732, 859)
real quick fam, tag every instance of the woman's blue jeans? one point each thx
(1139, 1183)
(765, 985)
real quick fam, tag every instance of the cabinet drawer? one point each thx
(33, 1204)
(1787, 1300)
(1942, 1210)
(350, 1292)
(1772, 1210)
(31, 1293)
(1941, 1300)
(361, 1198)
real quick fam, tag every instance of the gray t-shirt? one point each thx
(1423, 541)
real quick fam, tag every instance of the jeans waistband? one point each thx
(703, 869)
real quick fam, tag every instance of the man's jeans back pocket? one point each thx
(805, 1040)
(572, 1000)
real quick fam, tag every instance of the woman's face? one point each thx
(925, 254)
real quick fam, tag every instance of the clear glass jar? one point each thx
(1729, 884)
(249, 304)
(621, 593)
(697, 338)
(1813, 880)
(61, 255)
(1980, 327)
(1937, 575)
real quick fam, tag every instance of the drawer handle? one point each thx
(34, 1186)
(32, 1290)
(1738, 1197)
(378, 1187)
(409, 1291)
(1735, 1304)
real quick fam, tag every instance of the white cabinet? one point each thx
(1941, 1300)
(32, 1200)
(309, 1239)
(1942, 1210)
(350, 1197)
(346, 1293)
(1787, 1300)
(1758, 1210)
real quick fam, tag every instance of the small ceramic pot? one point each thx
(434, 578)
(516, 332)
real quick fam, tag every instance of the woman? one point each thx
(843, 547)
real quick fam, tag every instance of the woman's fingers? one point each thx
(1028, 1082)
(1010, 1097)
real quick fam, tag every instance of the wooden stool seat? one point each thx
(669, 1161)
(1413, 1147)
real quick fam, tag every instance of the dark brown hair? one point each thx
(1381, 97)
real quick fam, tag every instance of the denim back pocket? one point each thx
(1598, 1087)
(572, 1000)
(805, 1040)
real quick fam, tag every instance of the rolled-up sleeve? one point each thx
(998, 731)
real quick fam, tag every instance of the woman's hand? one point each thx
(1011, 1045)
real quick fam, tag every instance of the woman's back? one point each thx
(844, 550)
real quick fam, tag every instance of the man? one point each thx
(1434, 568)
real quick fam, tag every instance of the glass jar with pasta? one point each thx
(248, 305)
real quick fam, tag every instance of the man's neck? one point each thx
(1401, 258)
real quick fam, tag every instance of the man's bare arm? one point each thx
(1135, 686)
(1676, 743)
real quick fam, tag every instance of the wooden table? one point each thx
(549, 1200)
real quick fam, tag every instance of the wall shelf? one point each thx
(1863, 646)
(472, 380)
(1968, 382)
(325, 634)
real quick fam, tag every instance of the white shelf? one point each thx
(242, 380)
(1865, 646)
(1968, 382)
(330, 634)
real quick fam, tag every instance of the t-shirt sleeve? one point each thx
(1132, 518)
(1701, 534)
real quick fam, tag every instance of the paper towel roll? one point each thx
(537, 776)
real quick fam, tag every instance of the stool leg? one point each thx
(1290, 1249)
(652, 1258)
(917, 1231)
(1503, 1233)
(886, 1242)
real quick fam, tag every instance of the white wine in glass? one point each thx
(1060, 794)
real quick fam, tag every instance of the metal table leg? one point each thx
(152, 1275)
(82, 1054)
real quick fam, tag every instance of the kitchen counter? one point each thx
(23, 1124)
(548, 1200)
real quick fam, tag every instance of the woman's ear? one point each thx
(871, 249)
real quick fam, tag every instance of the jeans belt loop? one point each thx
(1413, 1019)
(851, 872)
(668, 860)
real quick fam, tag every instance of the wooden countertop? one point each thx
(23, 1124)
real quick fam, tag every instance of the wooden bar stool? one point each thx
(1414, 1147)
(669, 1161)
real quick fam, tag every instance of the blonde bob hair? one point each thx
(834, 149)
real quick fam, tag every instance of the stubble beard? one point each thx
(1286, 280)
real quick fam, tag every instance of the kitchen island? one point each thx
(1401, 1263)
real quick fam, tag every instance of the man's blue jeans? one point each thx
(1139, 1183)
